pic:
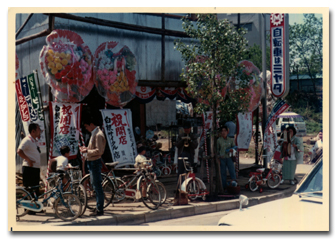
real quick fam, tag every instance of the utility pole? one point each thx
(264, 98)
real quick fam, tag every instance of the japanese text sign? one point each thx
(244, 131)
(30, 105)
(279, 54)
(65, 124)
(119, 133)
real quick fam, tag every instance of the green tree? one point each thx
(305, 46)
(211, 58)
(254, 54)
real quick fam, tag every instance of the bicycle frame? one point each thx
(29, 204)
(191, 177)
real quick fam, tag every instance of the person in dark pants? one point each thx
(225, 145)
(186, 145)
(30, 152)
(94, 152)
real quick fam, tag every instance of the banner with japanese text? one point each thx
(65, 121)
(244, 131)
(270, 137)
(279, 56)
(120, 137)
(30, 105)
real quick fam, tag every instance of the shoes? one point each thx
(93, 210)
(292, 182)
(97, 213)
(282, 181)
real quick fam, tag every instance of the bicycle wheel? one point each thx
(152, 200)
(273, 180)
(166, 171)
(109, 191)
(70, 208)
(193, 188)
(163, 192)
(120, 191)
(79, 191)
(253, 183)
(107, 185)
(21, 195)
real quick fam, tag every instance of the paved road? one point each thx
(209, 219)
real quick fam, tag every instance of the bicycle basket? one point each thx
(276, 166)
(77, 175)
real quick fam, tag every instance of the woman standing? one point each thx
(290, 152)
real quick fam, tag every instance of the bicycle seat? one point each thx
(260, 170)
(73, 167)
(33, 187)
(113, 164)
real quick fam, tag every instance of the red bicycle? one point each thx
(272, 177)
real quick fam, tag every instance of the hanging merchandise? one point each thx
(66, 64)
(114, 73)
(255, 86)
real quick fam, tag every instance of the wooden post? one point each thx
(143, 119)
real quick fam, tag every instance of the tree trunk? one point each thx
(215, 166)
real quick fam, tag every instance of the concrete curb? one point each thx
(177, 211)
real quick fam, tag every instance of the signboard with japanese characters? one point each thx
(30, 105)
(279, 54)
(244, 131)
(270, 137)
(65, 126)
(120, 137)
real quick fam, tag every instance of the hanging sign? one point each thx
(65, 124)
(244, 131)
(30, 105)
(279, 54)
(145, 94)
(120, 136)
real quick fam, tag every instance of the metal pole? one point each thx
(264, 99)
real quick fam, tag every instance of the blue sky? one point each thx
(298, 18)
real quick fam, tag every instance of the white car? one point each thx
(291, 119)
(305, 210)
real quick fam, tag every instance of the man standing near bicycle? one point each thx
(186, 145)
(30, 152)
(94, 151)
(225, 146)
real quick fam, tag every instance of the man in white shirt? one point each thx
(30, 152)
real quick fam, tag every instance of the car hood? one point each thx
(294, 213)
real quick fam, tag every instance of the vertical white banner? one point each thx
(65, 125)
(120, 137)
(244, 131)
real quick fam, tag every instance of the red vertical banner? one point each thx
(279, 54)
(22, 102)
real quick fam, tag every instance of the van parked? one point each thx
(287, 119)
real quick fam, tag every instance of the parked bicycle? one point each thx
(67, 205)
(72, 185)
(194, 186)
(272, 177)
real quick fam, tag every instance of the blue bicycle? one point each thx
(67, 206)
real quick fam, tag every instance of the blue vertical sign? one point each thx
(279, 54)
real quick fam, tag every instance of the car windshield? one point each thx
(298, 119)
(314, 181)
